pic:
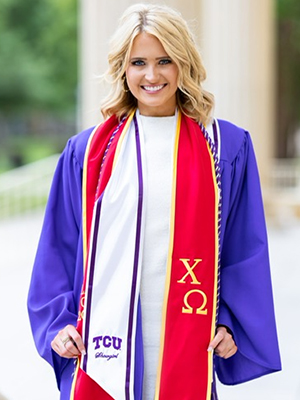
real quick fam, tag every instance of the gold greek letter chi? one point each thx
(188, 309)
(190, 270)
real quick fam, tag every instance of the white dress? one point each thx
(159, 136)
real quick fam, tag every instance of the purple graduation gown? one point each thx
(246, 302)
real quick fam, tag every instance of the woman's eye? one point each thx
(165, 61)
(138, 62)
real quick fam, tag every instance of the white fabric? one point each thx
(159, 136)
(113, 275)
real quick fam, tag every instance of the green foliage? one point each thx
(38, 55)
(22, 150)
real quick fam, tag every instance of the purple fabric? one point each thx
(246, 303)
(136, 257)
(139, 357)
(89, 293)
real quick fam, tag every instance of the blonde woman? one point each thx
(152, 270)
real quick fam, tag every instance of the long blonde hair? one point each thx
(172, 31)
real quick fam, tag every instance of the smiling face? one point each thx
(152, 76)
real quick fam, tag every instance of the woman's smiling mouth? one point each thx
(153, 88)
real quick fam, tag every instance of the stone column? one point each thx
(237, 42)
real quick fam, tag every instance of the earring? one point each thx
(125, 85)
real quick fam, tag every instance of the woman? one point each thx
(152, 269)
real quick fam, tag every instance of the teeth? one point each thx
(153, 88)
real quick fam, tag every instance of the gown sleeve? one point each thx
(57, 273)
(246, 300)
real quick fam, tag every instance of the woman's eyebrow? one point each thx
(145, 58)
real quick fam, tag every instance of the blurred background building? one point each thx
(52, 54)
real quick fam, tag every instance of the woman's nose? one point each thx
(151, 73)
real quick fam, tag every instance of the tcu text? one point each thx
(107, 342)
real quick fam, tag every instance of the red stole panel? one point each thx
(190, 309)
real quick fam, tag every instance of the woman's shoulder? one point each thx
(77, 144)
(233, 140)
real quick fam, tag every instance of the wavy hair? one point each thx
(168, 26)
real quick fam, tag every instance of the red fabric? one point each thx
(97, 149)
(94, 185)
(185, 358)
(87, 389)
